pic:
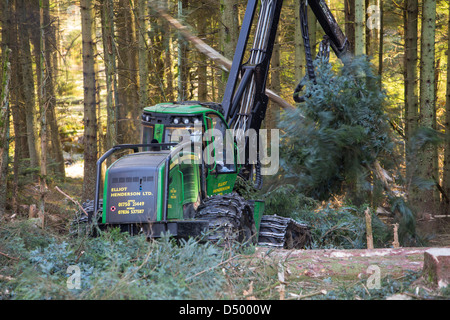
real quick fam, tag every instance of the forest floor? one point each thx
(296, 274)
(353, 274)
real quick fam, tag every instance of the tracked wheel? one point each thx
(230, 219)
(281, 232)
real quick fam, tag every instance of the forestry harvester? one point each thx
(185, 183)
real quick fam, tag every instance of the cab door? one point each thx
(220, 164)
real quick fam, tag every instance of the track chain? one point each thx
(281, 232)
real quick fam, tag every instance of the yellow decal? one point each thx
(221, 189)
(125, 194)
(119, 189)
(130, 207)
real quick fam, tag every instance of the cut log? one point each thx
(32, 212)
(396, 243)
(436, 266)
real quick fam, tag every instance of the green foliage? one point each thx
(388, 287)
(338, 132)
(113, 266)
(245, 188)
(344, 227)
(286, 201)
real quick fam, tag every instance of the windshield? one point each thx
(171, 135)
(147, 133)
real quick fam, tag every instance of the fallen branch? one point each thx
(71, 199)
(298, 297)
(214, 55)
(7, 256)
(212, 268)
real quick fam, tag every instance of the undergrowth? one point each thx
(112, 266)
(343, 227)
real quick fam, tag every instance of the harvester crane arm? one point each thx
(245, 102)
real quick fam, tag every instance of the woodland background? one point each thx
(373, 140)
(76, 75)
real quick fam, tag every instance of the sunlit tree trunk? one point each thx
(90, 97)
(299, 59)
(428, 157)
(17, 108)
(5, 77)
(411, 87)
(109, 56)
(168, 61)
(27, 83)
(446, 175)
(360, 15)
(50, 67)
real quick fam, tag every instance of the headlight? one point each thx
(176, 120)
(185, 120)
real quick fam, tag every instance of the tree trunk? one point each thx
(428, 157)
(168, 61)
(159, 85)
(4, 116)
(17, 109)
(43, 112)
(109, 54)
(90, 97)
(274, 109)
(380, 46)
(128, 110)
(49, 33)
(411, 87)
(312, 28)
(360, 27)
(5, 78)
(143, 54)
(229, 34)
(446, 166)
(27, 83)
(183, 68)
(202, 23)
(349, 8)
(299, 59)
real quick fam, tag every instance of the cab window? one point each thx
(222, 162)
